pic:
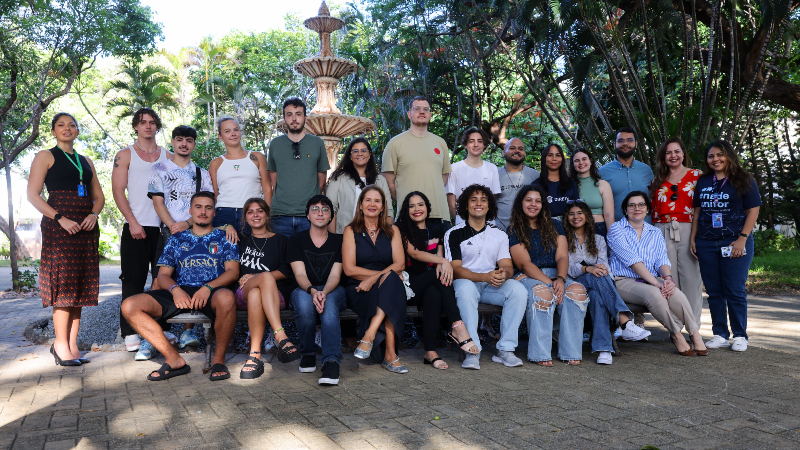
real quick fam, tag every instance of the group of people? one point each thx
(256, 233)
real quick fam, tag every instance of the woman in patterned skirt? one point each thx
(70, 271)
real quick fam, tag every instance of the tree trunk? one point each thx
(21, 249)
(12, 235)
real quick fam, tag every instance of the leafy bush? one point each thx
(5, 252)
(27, 277)
(108, 237)
(768, 241)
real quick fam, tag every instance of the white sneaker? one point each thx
(633, 332)
(739, 344)
(604, 358)
(618, 333)
(133, 342)
(718, 342)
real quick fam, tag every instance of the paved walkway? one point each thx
(649, 396)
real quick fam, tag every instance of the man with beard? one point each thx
(297, 165)
(513, 176)
(195, 269)
(418, 160)
(625, 174)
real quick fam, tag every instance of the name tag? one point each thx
(716, 220)
(81, 190)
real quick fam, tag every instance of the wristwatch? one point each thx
(309, 290)
(57, 217)
(743, 235)
(94, 214)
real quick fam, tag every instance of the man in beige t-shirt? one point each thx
(418, 160)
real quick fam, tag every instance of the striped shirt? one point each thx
(628, 249)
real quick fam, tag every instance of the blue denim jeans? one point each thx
(289, 225)
(606, 304)
(510, 295)
(305, 317)
(230, 216)
(571, 313)
(725, 279)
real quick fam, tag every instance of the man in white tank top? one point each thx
(131, 172)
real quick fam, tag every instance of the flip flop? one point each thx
(574, 362)
(165, 372)
(219, 368)
(545, 363)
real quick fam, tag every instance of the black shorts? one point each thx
(168, 308)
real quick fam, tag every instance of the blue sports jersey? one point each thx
(198, 259)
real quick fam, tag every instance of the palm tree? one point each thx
(141, 87)
(181, 65)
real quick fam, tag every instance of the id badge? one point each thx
(81, 190)
(716, 220)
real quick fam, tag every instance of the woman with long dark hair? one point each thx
(556, 185)
(266, 281)
(69, 275)
(373, 258)
(726, 206)
(539, 252)
(588, 265)
(355, 171)
(430, 277)
(595, 193)
(672, 193)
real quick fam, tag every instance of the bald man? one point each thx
(513, 176)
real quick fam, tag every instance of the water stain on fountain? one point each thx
(325, 119)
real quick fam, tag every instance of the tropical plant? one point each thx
(139, 87)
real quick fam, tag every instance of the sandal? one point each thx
(165, 372)
(286, 354)
(433, 363)
(574, 362)
(219, 368)
(463, 343)
(545, 363)
(256, 372)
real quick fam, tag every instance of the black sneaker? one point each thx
(330, 374)
(308, 363)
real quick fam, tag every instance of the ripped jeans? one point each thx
(541, 310)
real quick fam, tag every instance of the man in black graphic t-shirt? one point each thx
(316, 259)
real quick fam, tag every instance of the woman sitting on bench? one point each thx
(642, 273)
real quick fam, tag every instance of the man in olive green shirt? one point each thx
(297, 164)
(418, 160)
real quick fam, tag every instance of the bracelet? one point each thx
(744, 235)
(188, 224)
(309, 289)
(209, 287)
(561, 278)
(172, 287)
(668, 276)
(277, 331)
(95, 215)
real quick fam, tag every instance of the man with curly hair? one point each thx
(482, 272)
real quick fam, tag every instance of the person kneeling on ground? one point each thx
(482, 271)
(205, 263)
(316, 259)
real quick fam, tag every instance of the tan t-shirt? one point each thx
(418, 165)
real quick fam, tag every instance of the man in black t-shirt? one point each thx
(316, 259)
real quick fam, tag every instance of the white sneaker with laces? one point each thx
(604, 358)
(633, 332)
(739, 344)
(718, 342)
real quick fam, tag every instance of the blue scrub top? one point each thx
(624, 180)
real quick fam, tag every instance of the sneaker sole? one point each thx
(471, 367)
(329, 381)
(644, 335)
(135, 348)
(500, 360)
(738, 349)
(717, 346)
(308, 369)
(143, 358)
(605, 362)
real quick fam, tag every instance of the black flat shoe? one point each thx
(63, 362)
(84, 360)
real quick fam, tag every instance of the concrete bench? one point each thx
(286, 315)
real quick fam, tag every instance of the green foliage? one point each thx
(769, 241)
(775, 271)
(27, 276)
(140, 87)
(5, 251)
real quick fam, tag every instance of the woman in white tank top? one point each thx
(237, 176)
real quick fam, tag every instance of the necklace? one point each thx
(372, 231)
(260, 249)
(483, 241)
(146, 153)
(511, 184)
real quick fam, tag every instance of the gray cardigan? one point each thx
(342, 192)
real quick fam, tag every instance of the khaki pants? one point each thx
(685, 267)
(673, 313)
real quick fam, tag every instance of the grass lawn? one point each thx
(775, 272)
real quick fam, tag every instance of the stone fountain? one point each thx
(325, 119)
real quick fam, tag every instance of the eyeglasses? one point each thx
(296, 148)
(421, 108)
(580, 200)
(324, 209)
(637, 205)
(629, 141)
(359, 150)
(674, 188)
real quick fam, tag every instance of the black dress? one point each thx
(389, 296)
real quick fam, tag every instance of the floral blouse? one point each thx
(665, 209)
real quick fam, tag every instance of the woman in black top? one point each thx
(373, 258)
(70, 269)
(264, 284)
(431, 278)
(556, 184)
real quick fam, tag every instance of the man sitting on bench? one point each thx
(206, 263)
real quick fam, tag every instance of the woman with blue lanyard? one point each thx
(726, 205)
(69, 275)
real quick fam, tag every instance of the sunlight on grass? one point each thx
(775, 271)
